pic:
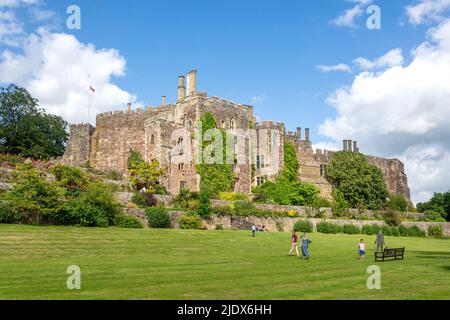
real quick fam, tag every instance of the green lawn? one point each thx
(174, 264)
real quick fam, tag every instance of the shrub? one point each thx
(144, 199)
(326, 227)
(204, 207)
(127, 221)
(244, 208)
(351, 229)
(413, 231)
(435, 231)
(34, 199)
(395, 232)
(397, 203)
(303, 226)
(9, 214)
(292, 213)
(183, 197)
(114, 175)
(219, 227)
(190, 221)
(392, 218)
(387, 230)
(232, 196)
(367, 229)
(81, 212)
(158, 218)
(430, 216)
(223, 211)
(70, 177)
(322, 203)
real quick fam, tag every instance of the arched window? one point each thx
(152, 139)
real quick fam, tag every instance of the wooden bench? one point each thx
(389, 253)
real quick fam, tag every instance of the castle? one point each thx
(154, 133)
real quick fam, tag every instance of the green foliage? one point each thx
(285, 192)
(204, 208)
(397, 203)
(303, 226)
(144, 199)
(351, 229)
(232, 196)
(27, 130)
(223, 211)
(290, 162)
(114, 175)
(392, 218)
(360, 183)
(9, 214)
(387, 230)
(184, 198)
(33, 200)
(367, 229)
(190, 221)
(322, 203)
(439, 203)
(95, 207)
(144, 174)
(413, 231)
(435, 231)
(341, 206)
(433, 217)
(127, 221)
(327, 227)
(71, 178)
(216, 177)
(158, 218)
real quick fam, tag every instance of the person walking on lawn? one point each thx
(380, 241)
(294, 244)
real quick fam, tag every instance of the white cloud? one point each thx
(58, 70)
(427, 10)
(16, 3)
(335, 68)
(403, 112)
(348, 17)
(391, 59)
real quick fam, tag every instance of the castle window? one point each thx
(275, 139)
(152, 139)
(190, 123)
(180, 166)
(260, 181)
(260, 162)
(323, 170)
(232, 124)
(180, 141)
(182, 184)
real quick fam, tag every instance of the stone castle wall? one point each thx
(150, 132)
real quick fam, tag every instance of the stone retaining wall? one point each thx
(278, 224)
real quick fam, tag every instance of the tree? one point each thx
(27, 130)
(360, 183)
(397, 203)
(144, 174)
(439, 203)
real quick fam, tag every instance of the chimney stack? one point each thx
(350, 147)
(299, 130)
(344, 145)
(307, 135)
(181, 88)
(192, 83)
(355, 146)
(163, 102)
(129, 106)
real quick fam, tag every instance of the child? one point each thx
(294, 244)
(362, 249)
(305, 246)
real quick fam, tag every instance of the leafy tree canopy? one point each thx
(27, 130)
(144, 174)
(359, 183)
(439, 203)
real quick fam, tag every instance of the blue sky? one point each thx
(265, 50)
(308, 63)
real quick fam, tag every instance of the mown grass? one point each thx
(175, 264)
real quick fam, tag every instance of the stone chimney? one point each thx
(163, 102)
(181, 88)
(192, 83)
(350, 147)
(299, 133)
(344, 145)
(355, 146)
(307, 135)
(129, 106)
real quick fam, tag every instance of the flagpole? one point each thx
(89, 107)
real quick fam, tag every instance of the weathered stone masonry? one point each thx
(150, 132)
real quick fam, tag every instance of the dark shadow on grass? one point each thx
(446, 268)
(432, 254)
